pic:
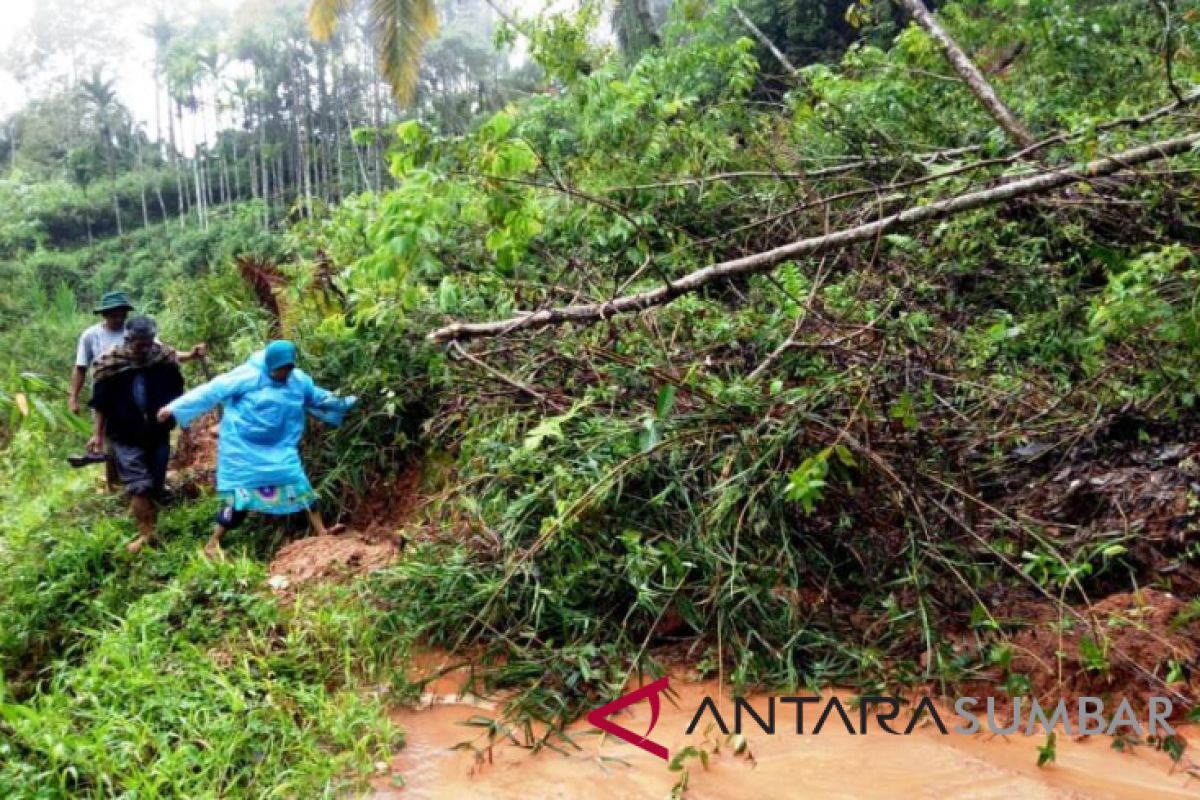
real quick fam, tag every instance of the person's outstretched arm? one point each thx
(325, 405)
(208, 395)
(197, 352)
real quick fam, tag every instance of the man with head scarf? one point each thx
(265, 403)
(132, 382)
(114, 309)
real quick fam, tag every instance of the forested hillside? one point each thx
(795, 343)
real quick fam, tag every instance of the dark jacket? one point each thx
(124, 421)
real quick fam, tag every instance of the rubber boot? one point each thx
(144, 513)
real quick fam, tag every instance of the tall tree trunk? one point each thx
(280, 182)
(970, 73)
(225, 191)
(200, 215)
(303, 166)
(635, 28)
(116, 199)
(237, 181)
(181, 192)
(157, 107)
(162, 206)
(265, 186)
(358, 156)
(376, 124)
(142, 180)
(253, 172)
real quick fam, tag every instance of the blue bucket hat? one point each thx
(280, 353)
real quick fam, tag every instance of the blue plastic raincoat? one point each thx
(262, 424)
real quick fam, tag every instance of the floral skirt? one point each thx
(287, 498)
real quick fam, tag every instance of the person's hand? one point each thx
(164, 415)
(200, 350)
(73, 404)
(95, 444)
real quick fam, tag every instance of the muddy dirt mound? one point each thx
(1127, 646)
(390, 504)
(322, 558)
(194, 462)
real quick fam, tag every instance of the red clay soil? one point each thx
(195, 458)
(328, 558)
(1123, 647)
(372, 543)
(389, 504)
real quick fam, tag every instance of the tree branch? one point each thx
(761, 262)
(497, 374)
(970, 73)
(767, 43)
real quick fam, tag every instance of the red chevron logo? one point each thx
(600, 717)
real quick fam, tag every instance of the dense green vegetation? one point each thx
(819, 473)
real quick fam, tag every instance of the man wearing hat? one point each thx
(97, 340)
(132, 382)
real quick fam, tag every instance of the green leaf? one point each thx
(666, 401)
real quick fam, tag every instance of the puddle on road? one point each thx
(834, 765)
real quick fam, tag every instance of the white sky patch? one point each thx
(132, 68)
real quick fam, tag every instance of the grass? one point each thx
(169, 675)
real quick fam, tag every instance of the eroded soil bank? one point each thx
(447, 757)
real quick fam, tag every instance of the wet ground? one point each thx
(832, 765)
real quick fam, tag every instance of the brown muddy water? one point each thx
(831, 766)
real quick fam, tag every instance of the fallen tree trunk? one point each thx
(970, 73)
(1039, 183)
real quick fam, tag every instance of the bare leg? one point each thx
(213, 548)
(318, 524)
(142, 508)
(111, 480)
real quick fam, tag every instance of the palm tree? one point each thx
(399, 29)
(100, 100)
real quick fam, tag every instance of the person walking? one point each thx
(114, 309)
(131, 383)
(265, 402)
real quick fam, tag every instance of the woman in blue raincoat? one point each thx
(258, 455)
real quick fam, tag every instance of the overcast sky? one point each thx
(16, 16)
(132, 68)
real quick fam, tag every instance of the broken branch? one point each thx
(761, 262)
(970, 73)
